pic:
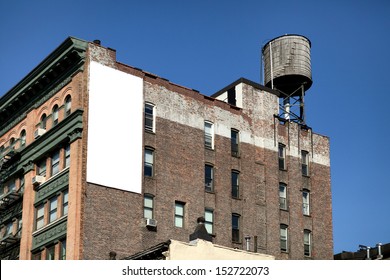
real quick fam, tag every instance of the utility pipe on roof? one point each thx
(379, 257)
(272, 71)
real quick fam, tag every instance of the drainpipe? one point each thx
(247, 239)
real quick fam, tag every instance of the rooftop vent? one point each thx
(201, 231)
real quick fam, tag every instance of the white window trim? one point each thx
(211, 132)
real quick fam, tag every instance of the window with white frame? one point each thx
(305, 163)
(306, 202)
(148, 162)
(282, 156)
(307, 242)
(209, 177)
(179, 214)
(209, 135)
(209, 220)
(282, 196)
(148, 206)
(284, 238)
(149, 117)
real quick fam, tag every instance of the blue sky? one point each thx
(206, 45)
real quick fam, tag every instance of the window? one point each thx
(37, 256)
(179, 214)
(209, 135)
(149, 117)
(43, 121)
(307, 242)
(282, 157)
(148, 206)
(234, 142)
(12, 185)
(284, 238)
(305, 163)
(306, 202)
(235, 186)
(39, 221)
(21, 184)
(67, 155)
(23, 138)
(50, 208)
(283, 196)
(209, 220)
(148, 165)
(50, 252)
(65, 199)
(8, 229)
(41, 167)
(63, 249)
(55, 163)
(235, 228)
(209, 177)
(11, 142)
(53, 209)
(54, 115)
(68, 105)
(19, 225)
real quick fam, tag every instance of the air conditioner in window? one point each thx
(37, 180)
(39, 132)
(151, 223)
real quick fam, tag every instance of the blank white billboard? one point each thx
(115, 118)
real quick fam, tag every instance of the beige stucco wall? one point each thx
(203, 250)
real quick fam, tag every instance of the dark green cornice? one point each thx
(60, 65)
(66, 131)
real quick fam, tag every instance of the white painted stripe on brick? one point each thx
(192, 113)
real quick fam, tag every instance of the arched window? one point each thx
(55, 115)
(11, 142)
(68, 105)
(23, 138)
(43, 121)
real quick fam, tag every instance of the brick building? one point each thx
(98, 156)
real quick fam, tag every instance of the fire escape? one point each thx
(9, 209)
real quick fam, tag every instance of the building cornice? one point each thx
(61, 64)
